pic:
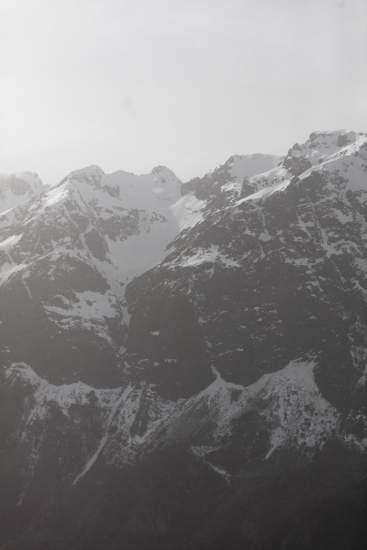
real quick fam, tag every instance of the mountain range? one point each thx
(184, 365)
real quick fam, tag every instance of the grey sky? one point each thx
(132, 84)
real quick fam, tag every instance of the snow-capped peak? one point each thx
(318, 148)
(119, 189)
(339, 157)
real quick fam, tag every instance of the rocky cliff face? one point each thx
(186, 368)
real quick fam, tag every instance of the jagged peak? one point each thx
(339, 156)
(119, 188)
(319, 146)
(340, 137)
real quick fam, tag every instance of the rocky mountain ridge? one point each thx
(170, 359)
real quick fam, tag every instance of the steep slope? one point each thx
(219, 187)
(272, 276)
(228, 408)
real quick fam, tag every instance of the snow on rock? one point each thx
(87, 305)
(337, 155)
(54, 196)
(265, 192)
(188, 211)
(300, 415)
(113, 412)
(111, 227)
(114, 227)
(225, 182)
(87, 310)
(349, 163)
(129, 419)
(321, 145)
(242, 167)
(212, 255)
(293, 408)
(64, 396)
(8, 269)
(93, 459)
(9, 242)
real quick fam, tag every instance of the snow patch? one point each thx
(7, 270)
(211, 255)
(87, 305)
(188, 211)
(11, 241)
(55, 195)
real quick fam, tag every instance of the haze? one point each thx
(129, 85)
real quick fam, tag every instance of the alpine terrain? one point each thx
(183, 366)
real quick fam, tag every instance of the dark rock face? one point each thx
(174, 353)
(207, 395)
(268, 289)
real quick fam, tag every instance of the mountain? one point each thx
(184, 365)
(67, 256)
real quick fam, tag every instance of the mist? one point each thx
(129, 85)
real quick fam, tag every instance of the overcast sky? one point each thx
(185, 83)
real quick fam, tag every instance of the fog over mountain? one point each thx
(183, 275)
